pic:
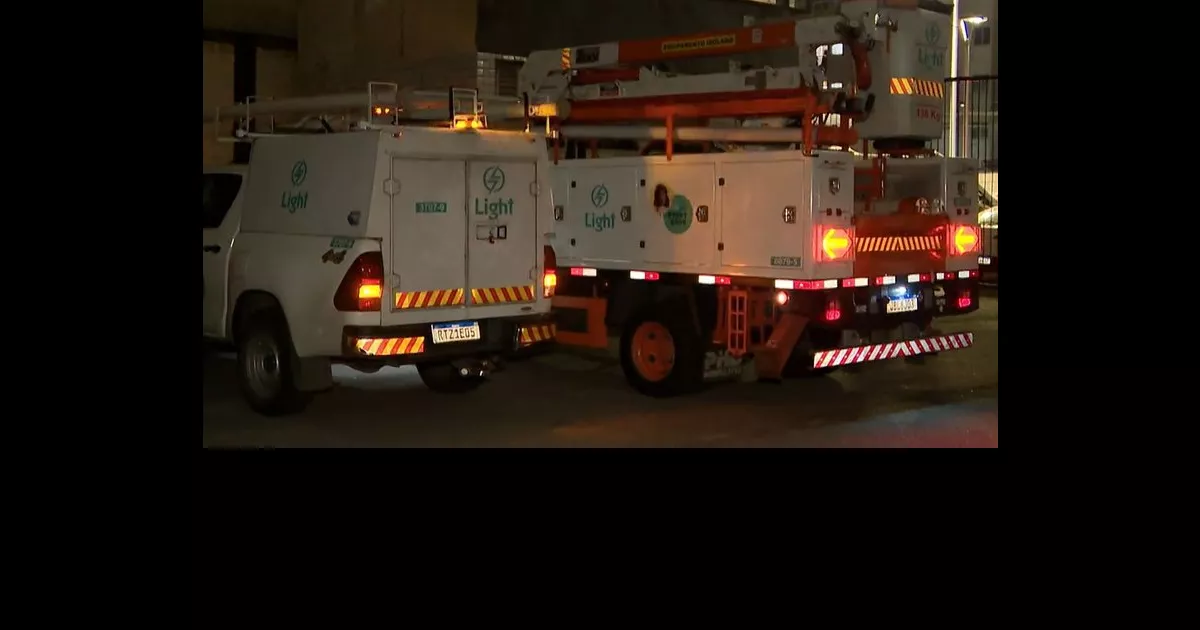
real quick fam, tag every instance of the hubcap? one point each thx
(261, 366)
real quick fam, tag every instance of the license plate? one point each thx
(902, 306)
(985, 260)
(457, 331)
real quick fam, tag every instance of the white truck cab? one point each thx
(386, 246)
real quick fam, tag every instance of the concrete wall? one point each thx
(261, 17)
(345, 43)
(275, 73)
(218, 90)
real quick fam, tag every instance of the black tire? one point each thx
(687, 371)
(267, 366)
(444, 378)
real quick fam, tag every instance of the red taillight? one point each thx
(964, 300)
(362, 287)
(833, 311)
(549, 271)
(834, 243)
(964, 240)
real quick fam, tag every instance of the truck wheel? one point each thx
(268, 366)
(661, 354)
(444, 378)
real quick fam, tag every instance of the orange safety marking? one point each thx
(595, 335)
(708, 43)
(502, 295)
(565, 62)
(918, 87)
(391, 346)
(897, 243)
(429, 299)
(536, 334)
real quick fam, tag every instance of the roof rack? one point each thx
(382, 105)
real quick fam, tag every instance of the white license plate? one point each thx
(985, 260)
(457, 331)
(902, 306)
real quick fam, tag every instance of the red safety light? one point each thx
(964, 300)
(834, 243)
(833, 311)
(966, 240)
(362, 286)
(926, 277)
(725, 280)
(549, 271)
(643, 275)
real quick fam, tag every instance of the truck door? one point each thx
(427, 271)
(221, 195)
(501, 237)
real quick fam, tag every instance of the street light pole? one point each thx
(952, 140)
(966, 134)
(962, 24)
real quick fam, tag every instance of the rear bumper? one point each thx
(412, 343)
(892, 350)
(866, 308)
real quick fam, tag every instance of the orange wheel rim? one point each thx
(653, 351)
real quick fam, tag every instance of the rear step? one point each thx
(884, 351)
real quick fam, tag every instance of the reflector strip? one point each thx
(643, 275)
(897, 243)
(391, 346)
(715, 280)
(918, 87)
(428, 299)
(536, 334)
(884, 351)
(966, 273)
(502, 295)
(583, 271)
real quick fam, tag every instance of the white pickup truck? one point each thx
(393, 246)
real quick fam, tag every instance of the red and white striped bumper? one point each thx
(884, 351)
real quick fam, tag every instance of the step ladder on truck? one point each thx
(805, 260)
(380, 228)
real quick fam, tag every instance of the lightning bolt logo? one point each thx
(493, 179)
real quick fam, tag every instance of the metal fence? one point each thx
(973, 133)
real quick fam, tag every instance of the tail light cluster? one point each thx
(362, 286)
(835, 244)
(833, 310)
(549, 272)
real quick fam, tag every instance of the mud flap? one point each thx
(314, 374)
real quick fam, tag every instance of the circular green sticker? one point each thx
(678, 216)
